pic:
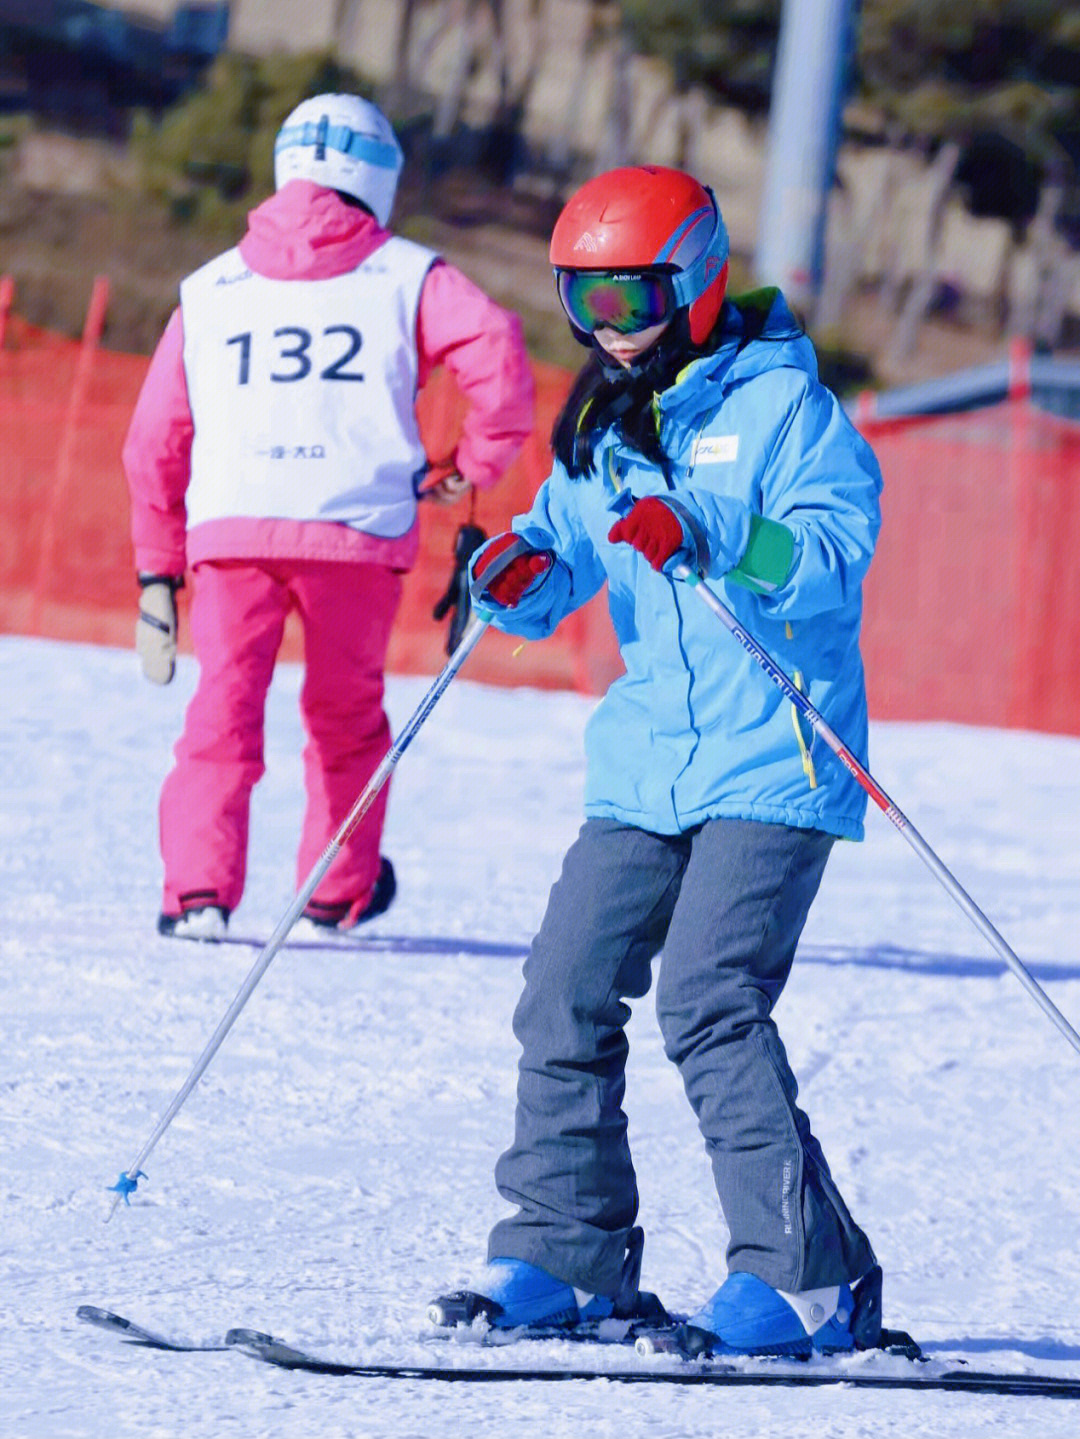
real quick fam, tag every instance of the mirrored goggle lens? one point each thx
(616, 302)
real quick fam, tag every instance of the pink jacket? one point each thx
(307, 232)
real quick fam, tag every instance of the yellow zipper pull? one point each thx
(807, 761)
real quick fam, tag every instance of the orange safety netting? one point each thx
(66, 563)
(973, 598)
(972, 602)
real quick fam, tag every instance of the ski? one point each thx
(817, 1373)
(132, 1333)
(390, 944)
(746, 1373)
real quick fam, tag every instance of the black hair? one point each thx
(606, 394)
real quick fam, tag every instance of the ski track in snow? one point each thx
(333, 1169)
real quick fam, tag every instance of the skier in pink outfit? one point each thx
(274, 450)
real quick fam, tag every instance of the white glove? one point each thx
(449, 489)
(155, 629)
(444, 484)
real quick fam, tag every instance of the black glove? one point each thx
(468, 541)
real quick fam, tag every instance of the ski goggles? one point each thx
(609, 300)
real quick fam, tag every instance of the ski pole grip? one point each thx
(483, 577)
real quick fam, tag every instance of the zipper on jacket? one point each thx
(691, 723)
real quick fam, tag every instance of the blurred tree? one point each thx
(999, 77)
(961, 65)
(921, 61)
(214, 150)
(726, 46)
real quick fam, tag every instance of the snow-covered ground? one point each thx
(333, 1169)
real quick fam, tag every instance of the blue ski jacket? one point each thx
(694, 730)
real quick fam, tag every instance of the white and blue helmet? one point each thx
(344, 143)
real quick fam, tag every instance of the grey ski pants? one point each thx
(726, 904)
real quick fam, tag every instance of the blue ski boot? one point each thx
(748, 1316)
(511, 1294)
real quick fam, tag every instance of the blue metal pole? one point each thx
(809, 86)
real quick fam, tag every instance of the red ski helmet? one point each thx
(644, 219)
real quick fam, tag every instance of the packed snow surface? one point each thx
(333, 1168)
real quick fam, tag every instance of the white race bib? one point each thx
(303, 392)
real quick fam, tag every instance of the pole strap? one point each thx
(494, 567)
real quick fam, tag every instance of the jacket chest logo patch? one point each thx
(716, 449)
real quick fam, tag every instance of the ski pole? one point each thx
(130, 1177)
(881, 799)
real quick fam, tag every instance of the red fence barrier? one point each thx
(972, 602)
(973, 598)
(66, 564)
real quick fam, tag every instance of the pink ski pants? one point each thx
(238, 613)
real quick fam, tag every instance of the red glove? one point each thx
(653, 528)
(510, 584)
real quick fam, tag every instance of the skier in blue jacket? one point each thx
(697, 433)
